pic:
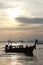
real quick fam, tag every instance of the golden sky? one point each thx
(21, 19)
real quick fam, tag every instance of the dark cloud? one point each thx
(25, 20)
(6, 5)
(3, 5)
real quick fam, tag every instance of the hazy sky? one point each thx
(21, 19)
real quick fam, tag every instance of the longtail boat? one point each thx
(20, 48)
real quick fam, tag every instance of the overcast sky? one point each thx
(21, 19)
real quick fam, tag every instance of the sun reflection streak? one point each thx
(15, 60)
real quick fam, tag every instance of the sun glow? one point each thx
(14, 12)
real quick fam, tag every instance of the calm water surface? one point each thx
(20, 58)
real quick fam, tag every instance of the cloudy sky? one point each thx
(21, 19)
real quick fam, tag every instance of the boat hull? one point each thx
(25, 50)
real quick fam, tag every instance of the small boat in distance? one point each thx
(20, 49)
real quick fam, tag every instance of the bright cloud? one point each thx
(20, 15)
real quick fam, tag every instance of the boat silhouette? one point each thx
(20, 49)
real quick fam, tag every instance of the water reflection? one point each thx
(30, 55)
(17, 59)
(22, 60)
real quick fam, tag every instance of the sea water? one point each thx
(20, 58)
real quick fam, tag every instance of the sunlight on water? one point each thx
(20, 58)
(17, 60)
